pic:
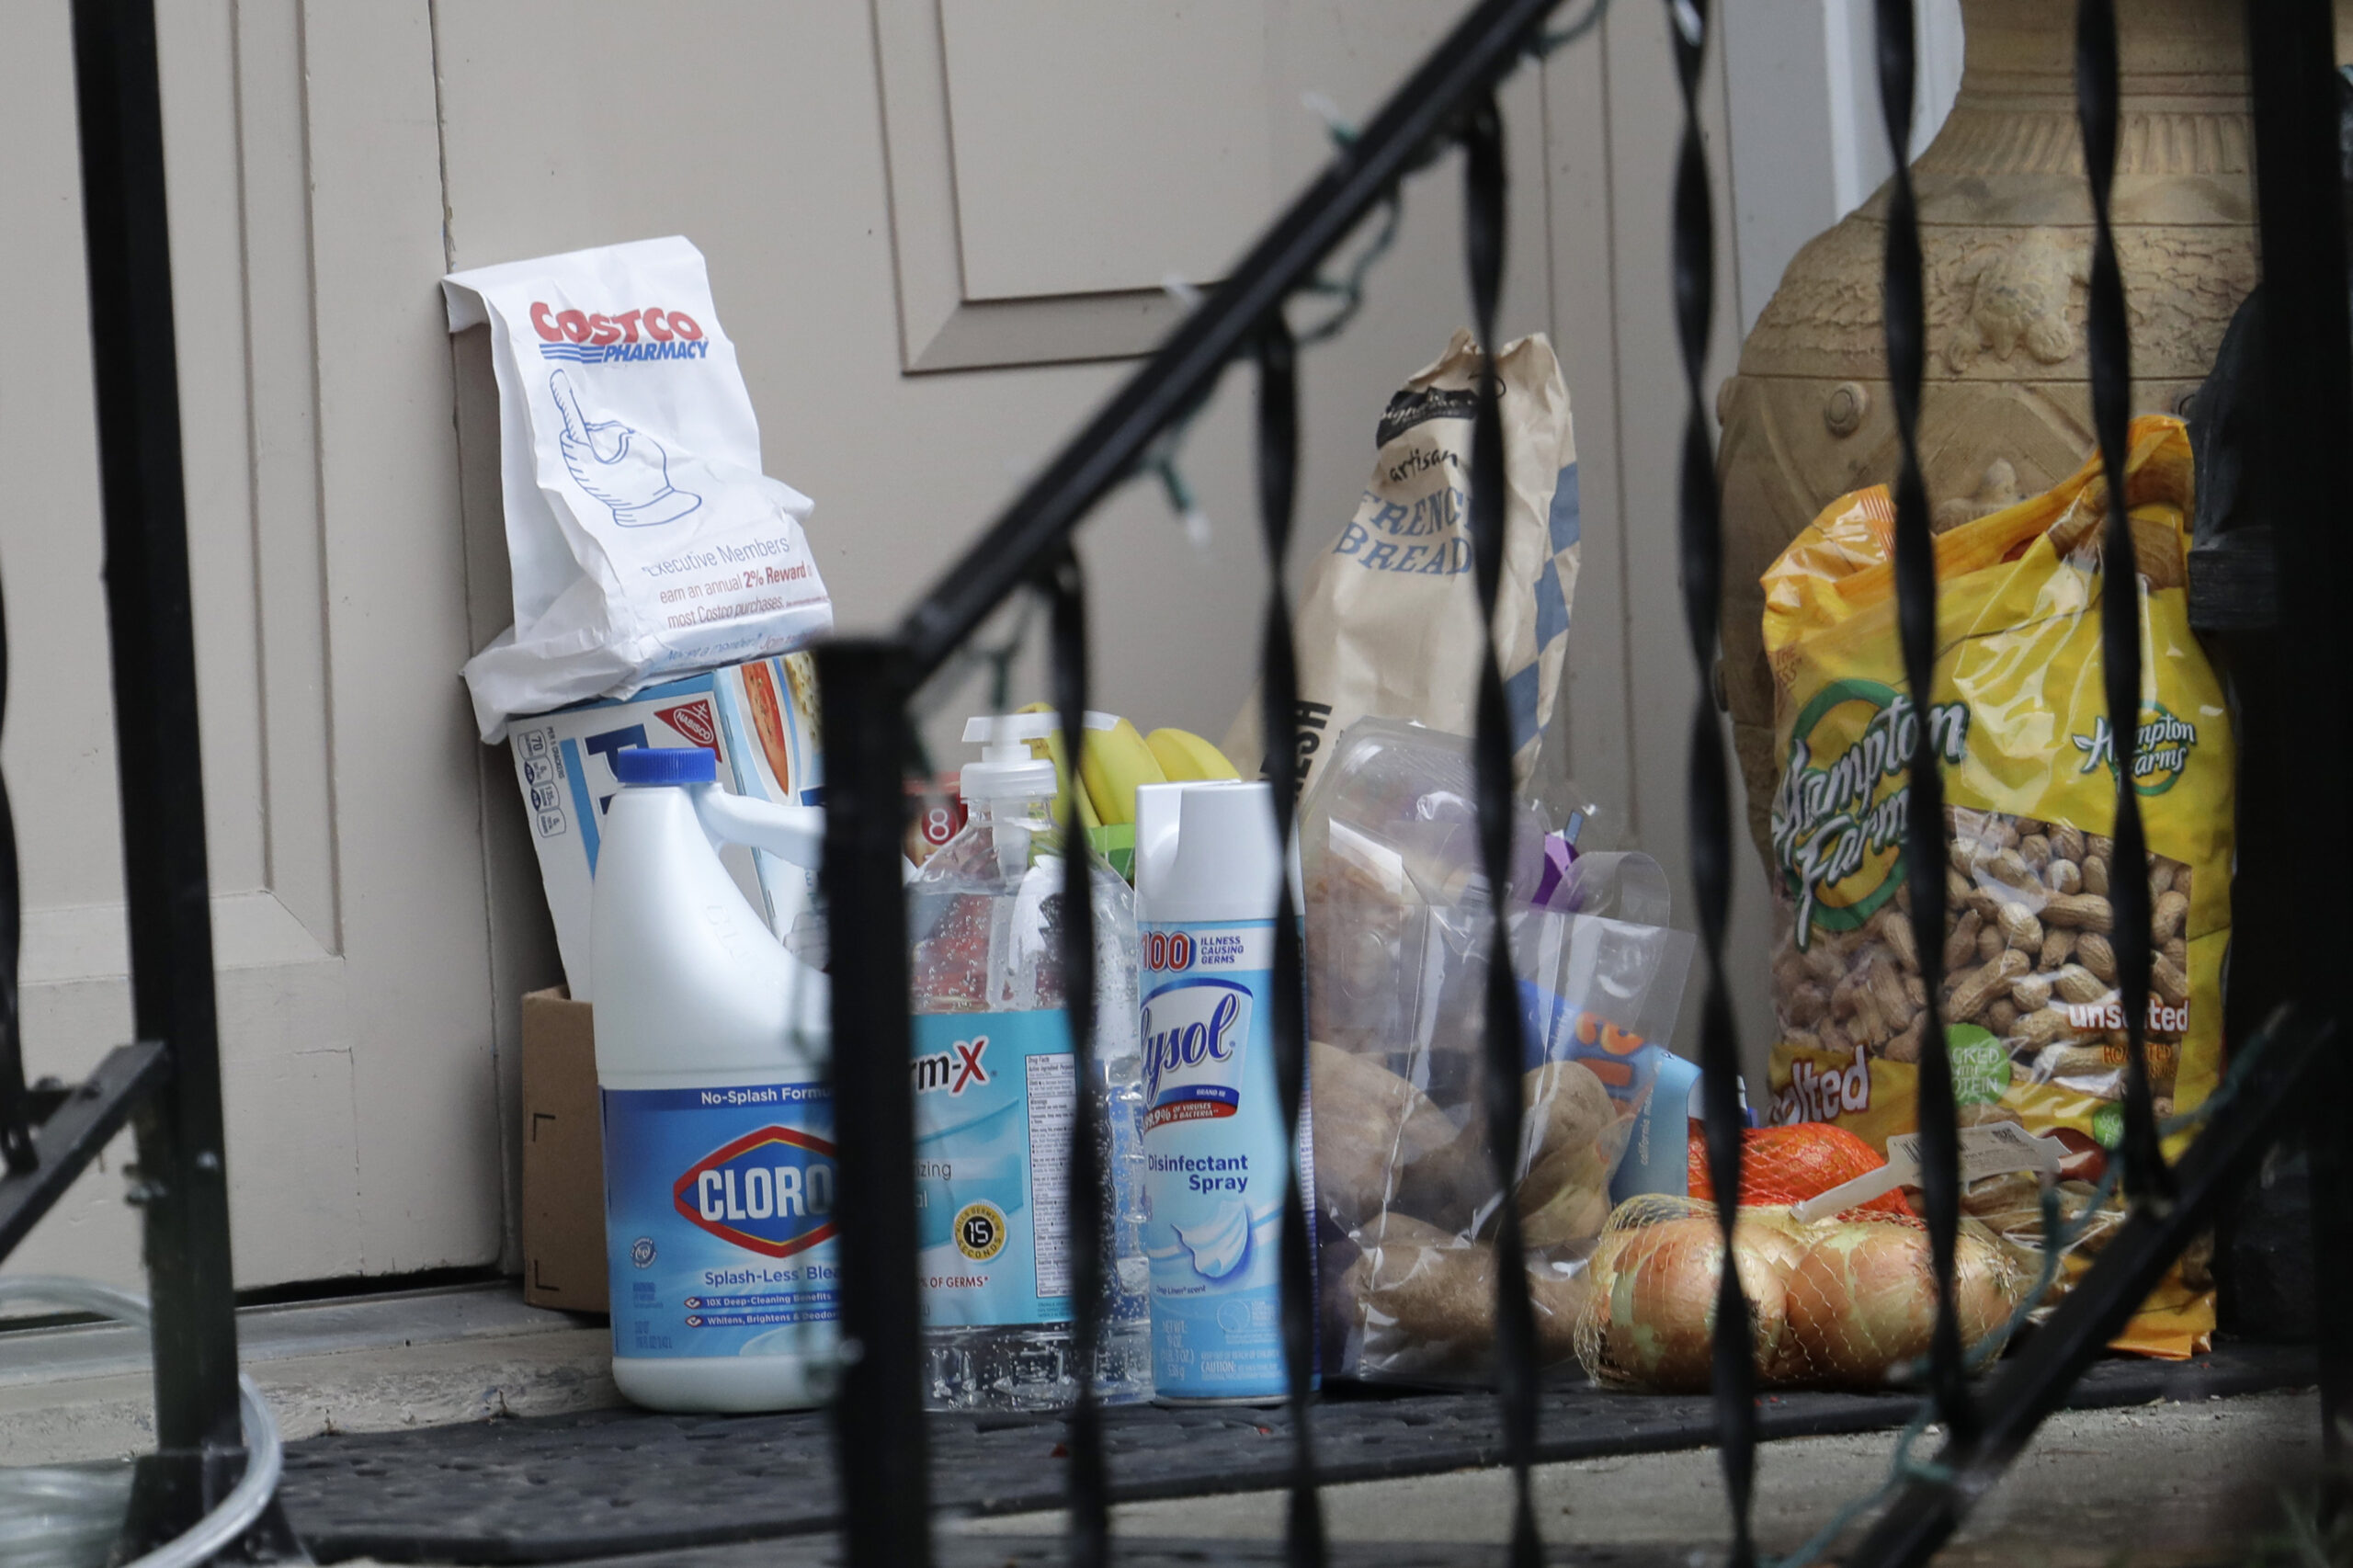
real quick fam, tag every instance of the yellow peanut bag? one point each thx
(2019, 714)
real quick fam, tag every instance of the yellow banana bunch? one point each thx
(1052, 746)
(1184, 756)
(1112, 763)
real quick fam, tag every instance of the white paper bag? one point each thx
(644, 538)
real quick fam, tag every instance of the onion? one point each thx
(1864, 1297)
(1662, 1282)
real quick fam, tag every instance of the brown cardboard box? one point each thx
(563, 1156)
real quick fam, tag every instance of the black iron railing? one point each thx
(167, 1085)
(1448, 104)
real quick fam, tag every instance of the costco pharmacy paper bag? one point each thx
(644, 538)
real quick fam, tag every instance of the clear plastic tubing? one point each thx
(70, 1492)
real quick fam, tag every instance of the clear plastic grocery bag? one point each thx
(645, 541)
(1407, 1195)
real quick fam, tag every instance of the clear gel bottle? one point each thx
(994, 1081)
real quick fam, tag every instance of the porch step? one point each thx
(610, 1484)
(358, 1364)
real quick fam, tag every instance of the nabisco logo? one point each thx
(1194, 1032)
(691, 720)
(769, 1192)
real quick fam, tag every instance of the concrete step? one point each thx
(355, 1364)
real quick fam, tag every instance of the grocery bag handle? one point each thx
(1987, 1149)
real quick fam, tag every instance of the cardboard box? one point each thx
(563, 1156)
(759, 719)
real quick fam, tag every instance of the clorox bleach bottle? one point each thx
(711, 1046)
(996, 1088)
(1208, 883)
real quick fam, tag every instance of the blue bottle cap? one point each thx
(666, 765)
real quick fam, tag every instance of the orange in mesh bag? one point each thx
(1789, 1164)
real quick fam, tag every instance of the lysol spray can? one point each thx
(1217, 1157)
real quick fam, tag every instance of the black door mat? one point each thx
(610, 1484)
(1032, 1552)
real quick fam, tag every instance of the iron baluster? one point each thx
(2306, 405)
(1915, 601)
(1090, 1516)
(877, 1410)
(1278, 468)
(17, 1156)
(1699, 514)
(2109, 348)
(1507, 1048)
(182, 1160)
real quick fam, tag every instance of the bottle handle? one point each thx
(791, 832)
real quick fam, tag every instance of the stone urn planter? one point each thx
(2006, 232)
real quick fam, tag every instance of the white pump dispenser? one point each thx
(1007, 768)
(996, 1090)
(712, 1048)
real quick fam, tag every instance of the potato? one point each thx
(1565, 1199)
(1370, 1124)
(1425, 1300)
(1563, 1106)
(1558, 1294)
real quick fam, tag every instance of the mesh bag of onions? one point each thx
(1835, 1303)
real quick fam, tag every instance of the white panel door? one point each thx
(938, 246)
(342, 792)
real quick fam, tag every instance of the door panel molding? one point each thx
(939, 327)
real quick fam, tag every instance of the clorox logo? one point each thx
(1193, 1034)
(769, 1192)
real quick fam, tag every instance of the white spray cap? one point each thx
(1220, 862)
(1006, 770)
(1157, 813)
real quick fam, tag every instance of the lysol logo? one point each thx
(1193, 1034)
(769, 1192)
(650, 332)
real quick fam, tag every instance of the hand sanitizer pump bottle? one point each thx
(996, 1088)
(711, 1047)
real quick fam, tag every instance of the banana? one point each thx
(1113, 762)
(1052, 746)
(1185, 756)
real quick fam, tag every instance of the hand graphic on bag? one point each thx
(622, 467)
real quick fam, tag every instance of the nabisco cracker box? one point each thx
(759, 719)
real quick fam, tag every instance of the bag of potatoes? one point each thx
(1408, 1195)
(2018, 715)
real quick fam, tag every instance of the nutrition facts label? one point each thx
(1053, 1106)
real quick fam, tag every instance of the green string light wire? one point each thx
(1163, 463)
